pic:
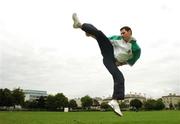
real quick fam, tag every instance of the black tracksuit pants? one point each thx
(108, 59)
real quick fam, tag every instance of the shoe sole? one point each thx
(74, 17)
(114, 110)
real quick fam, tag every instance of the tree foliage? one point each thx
(95, 102)
(61, 101)
(41, 102)
(86, 101)
(105, 106)
(152, 104)
(6, 97)
(178, 105)
(18, 96)
(159, 104)
(72, 104)
(136, 103)
(50, 103)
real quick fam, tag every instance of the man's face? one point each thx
(125, 34)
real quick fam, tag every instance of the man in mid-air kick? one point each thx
(116, 50)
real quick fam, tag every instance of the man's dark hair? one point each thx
(127, 28)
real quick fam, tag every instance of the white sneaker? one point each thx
(77, 23)
(115, 106)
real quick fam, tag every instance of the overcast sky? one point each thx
(40, 50)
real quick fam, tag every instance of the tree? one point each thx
(171, 106)
(72, 104)
(178, 105)
(50, 103)
(123, 105)
(105, 106)
(41, 102)
(159, 105)
(150, 104)
(33, 104)
(86, 102)
(18, 96)
(7, 98)
(95, 102)
(136, 103)
(61, 101)
(1, 97)
(26, 104)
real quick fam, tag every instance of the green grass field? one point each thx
(152, 117)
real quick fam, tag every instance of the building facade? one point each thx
(129, 97)
(31, 95)
(171, 100)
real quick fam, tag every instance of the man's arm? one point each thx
(136, 50)
(113, 39)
